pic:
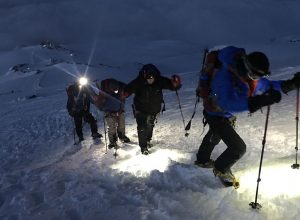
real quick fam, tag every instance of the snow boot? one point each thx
(227, 178)
(124, 139)
(96, 135)
(145, 151)
(149, 145)
(208, 164)
(113, 145)
(80, 139)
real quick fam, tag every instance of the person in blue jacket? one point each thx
(237, 85)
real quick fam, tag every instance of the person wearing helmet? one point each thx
(239, 84)
(148, 99)
(111, 100)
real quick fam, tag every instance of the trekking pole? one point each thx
(104, 125)
(74, 131)
(186, 134)
(188, 126)
(255, 204)
(74, 136)
(296, 165)
(115, 153)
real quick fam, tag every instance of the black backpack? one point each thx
(71, 90)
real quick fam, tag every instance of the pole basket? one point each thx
(295, 166)
(255, 205)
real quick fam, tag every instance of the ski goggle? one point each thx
(252, 72)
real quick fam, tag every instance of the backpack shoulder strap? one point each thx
(70, 90)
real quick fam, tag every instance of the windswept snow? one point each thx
(45, 176)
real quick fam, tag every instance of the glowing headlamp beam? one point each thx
(83, 81)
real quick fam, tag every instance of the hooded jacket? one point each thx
(229, 89)
(148, 97)
(80, 99)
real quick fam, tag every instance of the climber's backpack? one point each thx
(210, 66)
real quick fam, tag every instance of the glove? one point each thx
(71, 112)
(176, 82)
(296, 79)
(291, 84)
(124, 95)
(268, 98)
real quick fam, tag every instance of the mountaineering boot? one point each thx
(113, 145)
(149, 145)
(208, 164)
(145, 151)
(227, 178)
(96, 135)
(124, 139)
(80, 138)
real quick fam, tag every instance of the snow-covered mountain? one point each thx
(46, 45)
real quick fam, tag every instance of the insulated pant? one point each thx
(87, 117)
(145, 125)
(221, 129)
(115, 126)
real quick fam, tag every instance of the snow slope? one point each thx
(45, 176)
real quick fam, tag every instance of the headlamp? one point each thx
(83, 81)
(149, 76)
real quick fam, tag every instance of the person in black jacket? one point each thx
(78, 105)
(148, 99)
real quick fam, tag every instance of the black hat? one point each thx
(113, 85)
(258, 63)
(149, 71)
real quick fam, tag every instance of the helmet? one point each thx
(257, 65)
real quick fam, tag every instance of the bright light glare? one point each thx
(141, 165)
(277, 180)
(83, 81)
